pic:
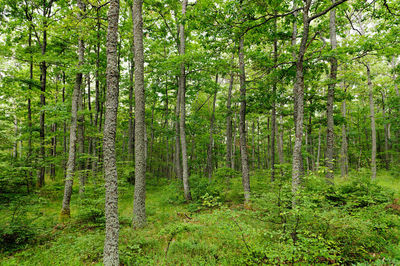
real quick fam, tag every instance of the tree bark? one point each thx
(177, 160)
(229, 124)
(330, 136)
(29, 155)
(110, 255)
(97, 99)
(43, 77)
(299, 98)
(280, 143)
(273, 129)
(81, 131)
(139, 206)
(182, 88)
(65, 211)
(242, 124)
(64, 129)
(373, 127)
(233, 159)
(318, 149)
(211, 139)
(344, 166)
(386, 132)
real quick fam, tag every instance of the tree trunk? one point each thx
(182, 88)
(280, 143)
(330, 136)
(43, 77)
(273, 129)
(386, 133)
(211, 139)
(229, 124)
(110, 255)
(64, 130)
(139, 207)
(29, 155)
(97, 99)
(90, 138)
(297, 162)
(234, 145)
(373, 128)
(344, 166)
(318, 149)
(177, 155)
(242, 124)
(81, 137)
(65, 211)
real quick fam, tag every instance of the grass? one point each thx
(177, 233)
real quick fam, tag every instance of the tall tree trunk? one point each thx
(394, 77)
(330, 134)
(344, 165)
(229, 124)
(297, 162)
(97, 99)
(131, 121)
(211, 139)
(242, 124)
(310, 148)
(373, 127)
(258, 144)
(273, 129)
(81, 138)
(139, 207)
(280, 143)
(318, 149)
(43, 78)
(182, 88)
(131, 129)
(53, 147)
(177, 154)
(110, 255)
(90, 138)
(233, 159)
(253, 145)
(64, 129)
(29, 155)
(65, 211)
(166, 128)
(386, 132)
(15, 148)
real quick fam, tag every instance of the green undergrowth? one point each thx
(353, 222)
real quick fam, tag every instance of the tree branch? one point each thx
(326, 10)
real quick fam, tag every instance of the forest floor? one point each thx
(216, 230)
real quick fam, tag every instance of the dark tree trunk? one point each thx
(229, 125)
(211, 139)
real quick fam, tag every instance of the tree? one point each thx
(139, 209)
(330, 136)
(182, 121)
(111, 256)
(71, 164)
